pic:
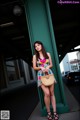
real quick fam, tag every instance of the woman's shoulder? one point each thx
(48, 53)
(34, 56)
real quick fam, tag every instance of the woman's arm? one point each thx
(34, 63)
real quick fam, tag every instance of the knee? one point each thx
(52, 93)
(47, 94)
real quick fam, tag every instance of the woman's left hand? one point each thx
(47, 69)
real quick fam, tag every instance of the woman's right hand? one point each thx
(43, 69)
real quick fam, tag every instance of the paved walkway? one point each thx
(74, 113)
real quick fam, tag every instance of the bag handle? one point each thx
(46, 74)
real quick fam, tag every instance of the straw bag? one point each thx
(48, 79)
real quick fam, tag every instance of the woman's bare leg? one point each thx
(46, 97)
(53, 100)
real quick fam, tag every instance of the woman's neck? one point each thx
(41, 55)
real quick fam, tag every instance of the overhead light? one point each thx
(17, 10)
(19, 37)
(59, 55)
(7, 24)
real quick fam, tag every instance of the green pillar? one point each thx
(40, 28)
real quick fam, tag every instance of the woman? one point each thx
(42, 62)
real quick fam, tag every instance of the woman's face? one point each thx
(38, 47)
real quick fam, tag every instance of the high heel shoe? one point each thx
(56, 116)
(49, 116)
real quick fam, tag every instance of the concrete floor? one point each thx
(74, 113)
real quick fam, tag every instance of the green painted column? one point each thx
(40, 28)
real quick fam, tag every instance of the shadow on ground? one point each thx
(21, 102)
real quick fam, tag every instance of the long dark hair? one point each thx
(43, 50)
